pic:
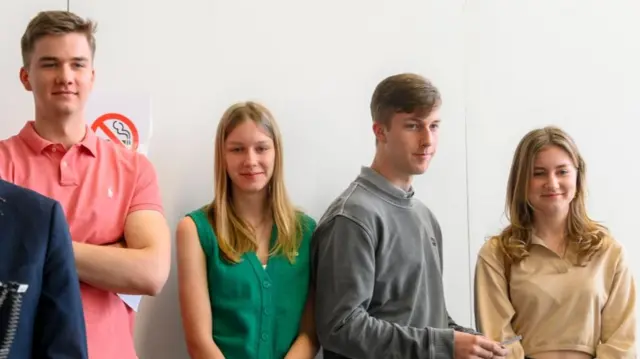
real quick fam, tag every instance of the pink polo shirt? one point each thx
(98, 183)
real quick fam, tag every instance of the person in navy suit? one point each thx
(41, 313)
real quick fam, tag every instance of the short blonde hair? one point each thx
(581, 230)
(48, 23)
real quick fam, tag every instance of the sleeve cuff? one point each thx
(441, 343)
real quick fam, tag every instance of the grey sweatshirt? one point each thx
(377, 268)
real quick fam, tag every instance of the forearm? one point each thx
(304, 347)
(458, 328)
(363, 336)
(120, 270)
(204, 348)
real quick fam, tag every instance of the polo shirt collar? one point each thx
(38, 144)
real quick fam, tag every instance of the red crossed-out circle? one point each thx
(100, 123)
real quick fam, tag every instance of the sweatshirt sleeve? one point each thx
(344, 262)
(493, 309)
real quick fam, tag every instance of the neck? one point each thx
(551, 229)
(381, 165)
(66, 131)
(252, 207)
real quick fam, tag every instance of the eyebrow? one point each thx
(417, 119)
(55, 59)
(238, 143)
(557, 167)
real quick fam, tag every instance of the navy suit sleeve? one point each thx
(60, 328)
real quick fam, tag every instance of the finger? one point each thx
(500, 351)
(482, 353)
(488, 345)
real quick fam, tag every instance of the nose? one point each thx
(552, 183)
(64, 75)
(251, 158)
(427, 137)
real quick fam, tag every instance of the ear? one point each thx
(380, 131)
(24, 79)
(93, 77)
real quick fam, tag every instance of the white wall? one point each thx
(569, 63)
(15, 105)
(316, 67)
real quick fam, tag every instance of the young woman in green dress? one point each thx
(243, 259)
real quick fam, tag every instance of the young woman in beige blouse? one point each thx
(554, 276)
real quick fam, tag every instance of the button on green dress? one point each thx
(256, 311)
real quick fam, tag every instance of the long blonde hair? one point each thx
(235, 235)
(515, 239)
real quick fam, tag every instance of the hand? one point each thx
(469, 346)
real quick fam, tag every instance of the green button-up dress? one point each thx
(256, 311)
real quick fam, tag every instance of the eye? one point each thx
(435, 126)
(261, 149)
(538, 173)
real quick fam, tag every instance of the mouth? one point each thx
(64, 93)
(250, 175)
(423, 155)
(552, 195)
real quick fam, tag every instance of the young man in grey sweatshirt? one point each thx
(377, 251)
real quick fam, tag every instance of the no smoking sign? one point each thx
(117, 128)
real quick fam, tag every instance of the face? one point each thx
(60, 74)
(250, 157)
(553, 184)
(410, 141)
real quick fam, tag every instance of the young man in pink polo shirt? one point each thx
(110, 194)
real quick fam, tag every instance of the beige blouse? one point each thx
(556, 304)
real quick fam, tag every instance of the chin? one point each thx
(64, 110)
(418, 170)
(554, 210)
(252, 188)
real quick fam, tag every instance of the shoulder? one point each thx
(491, 253)
(356, 204)
(25, 200)
(426, 213)
(124, 158)
(11, 144)
(307, 223)
(13, 152)
(31, 215)
(186, 226)
(340, 227)
(194, 219)
(191, 226)
(423, 209)
(613, 252)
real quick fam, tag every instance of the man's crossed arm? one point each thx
(139, 267)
